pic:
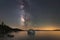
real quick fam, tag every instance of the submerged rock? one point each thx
(10, 35)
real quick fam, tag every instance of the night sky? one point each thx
(43, 12)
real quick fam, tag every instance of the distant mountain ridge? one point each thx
(57, 30)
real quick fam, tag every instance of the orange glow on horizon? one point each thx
(39, 28)
(45, 28)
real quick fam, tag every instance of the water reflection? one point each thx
(39, 35)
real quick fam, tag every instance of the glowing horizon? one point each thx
(40, 28)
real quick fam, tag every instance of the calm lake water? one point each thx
(39, 35)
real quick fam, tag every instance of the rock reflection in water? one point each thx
(31, 37)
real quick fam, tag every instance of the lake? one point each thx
(39, 35)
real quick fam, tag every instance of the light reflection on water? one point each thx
(39, 35)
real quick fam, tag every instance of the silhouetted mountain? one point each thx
(6, 29)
